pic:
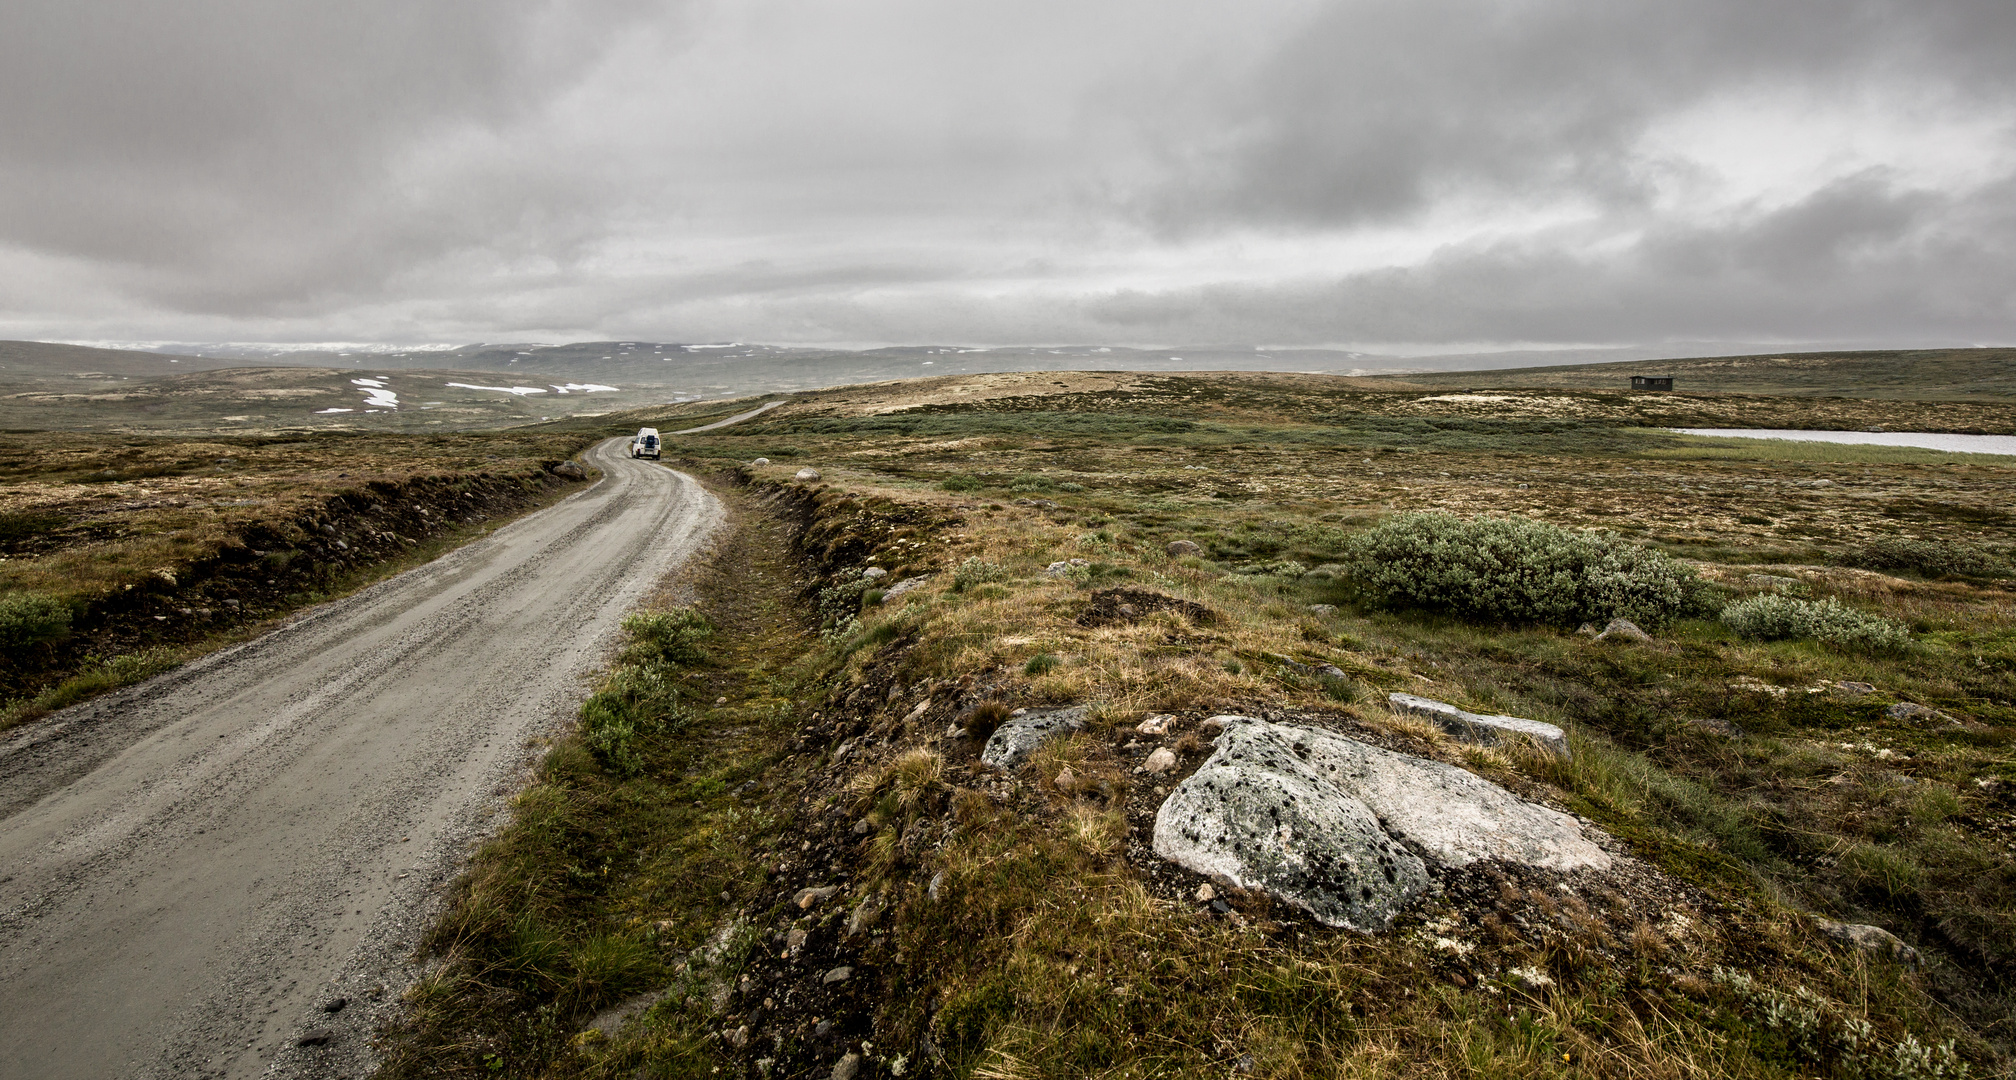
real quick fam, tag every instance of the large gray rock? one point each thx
(1870, 939)
(1454, 817)
(1914, 712)
(907, 585)
(1019, 736)
(1345, 830)
(1483, 730)
(1259, 816)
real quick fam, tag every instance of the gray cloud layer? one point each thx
(1399, 172)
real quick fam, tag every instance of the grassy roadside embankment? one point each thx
(121, 557)
(999, 926)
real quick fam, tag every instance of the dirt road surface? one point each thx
(736, 419)
(193, 869)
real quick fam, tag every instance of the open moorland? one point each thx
(50, 387)
(1903, 374)
(771, 848)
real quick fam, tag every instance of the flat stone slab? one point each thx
(1257, 815)
(907, 585)
(1347, 831)
(1482, 730)
(1019, 736)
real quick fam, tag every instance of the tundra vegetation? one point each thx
(794, 864)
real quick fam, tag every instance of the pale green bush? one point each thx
(666, 637)
(977, 571)
(1776, 617)
(31, 618)
(1933, 558)
(1521, 570)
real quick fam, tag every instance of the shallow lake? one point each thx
(1958, 444)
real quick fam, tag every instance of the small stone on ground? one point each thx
(1624, 630)
(1019, 736)
(1482, 730)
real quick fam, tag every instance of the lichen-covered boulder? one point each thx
(1871, 939)
(1260, 817)
(904, 587)
(1020, 735)
(1345, 830)
(1452, 816)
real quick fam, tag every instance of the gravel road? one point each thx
(193, 869)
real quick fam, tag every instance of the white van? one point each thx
(645, 444)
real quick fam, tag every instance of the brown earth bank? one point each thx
(162, 548)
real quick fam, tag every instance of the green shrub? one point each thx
(642, 696)
(666, 637)
(637, 700)
(32, 618)
(1776, 617)
(977, 571)
(18, 525)
(1040, 664)
(960, 482)
(840, 603)
(1028, 482)
(1932, 558)
(1521, 570)
(610, 734)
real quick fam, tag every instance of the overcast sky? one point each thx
(1376, 174)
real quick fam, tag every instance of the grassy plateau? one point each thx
(769, 848)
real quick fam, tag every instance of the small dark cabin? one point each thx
(1651, 382)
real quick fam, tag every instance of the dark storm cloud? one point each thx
(1375, 110)
(1856, 260)
(178, 135)
(1363, 171)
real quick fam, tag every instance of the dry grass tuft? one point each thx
(910, 784)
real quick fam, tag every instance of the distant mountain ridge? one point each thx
(62, 386)
(718, 368)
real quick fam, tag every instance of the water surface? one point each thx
(1954, 444)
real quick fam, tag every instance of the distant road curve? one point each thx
(736, 419)
(191, 869)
